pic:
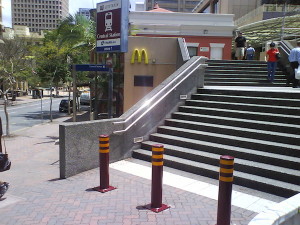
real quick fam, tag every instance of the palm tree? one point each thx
(77, 31)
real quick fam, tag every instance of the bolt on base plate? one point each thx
(157, 210)
(103, 190)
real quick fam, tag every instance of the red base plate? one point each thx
(157, 210)
(103, 190)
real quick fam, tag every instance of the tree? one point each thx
(14, 65)
(51, 66)
(78, 33)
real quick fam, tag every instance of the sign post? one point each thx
(112, 34)
(95, 67)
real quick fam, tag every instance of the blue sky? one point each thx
(74, 5)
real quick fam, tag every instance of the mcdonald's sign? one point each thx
(139, 54)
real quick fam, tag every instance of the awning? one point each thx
(271, 30)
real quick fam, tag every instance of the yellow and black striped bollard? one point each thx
(225, 190)
(104, 165)
(157, 179)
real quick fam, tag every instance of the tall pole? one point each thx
(1, 133)
(96, 104)
(74, 92)
(110, 93)
(283, 21)
(41, 104)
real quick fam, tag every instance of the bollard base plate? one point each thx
(103, 190)
(157, 210)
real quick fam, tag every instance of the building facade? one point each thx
(237, 7)
(173, 5)
(240, 8)
(39, 14)
(206, 35)
(85, 12)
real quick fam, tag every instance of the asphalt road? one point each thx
(30, 114)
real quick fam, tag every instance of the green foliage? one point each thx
(14, 62)
(74, 39)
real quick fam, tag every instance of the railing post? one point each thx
(157, 180)
(225, 190)
(104, 165)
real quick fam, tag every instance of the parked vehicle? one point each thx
(85, 98)
(63, 106)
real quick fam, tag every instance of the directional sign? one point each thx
(112, 26)
(91, 67)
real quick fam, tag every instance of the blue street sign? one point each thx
(91, 67)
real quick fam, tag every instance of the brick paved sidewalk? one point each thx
(37, 196)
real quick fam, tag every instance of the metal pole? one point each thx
(225, 190)
(110, 94)
(74, 93)
(104, 165)
(283, 21)
(41, 105)
(1, 133)
(157, 180)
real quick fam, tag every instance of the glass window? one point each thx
(192, 51)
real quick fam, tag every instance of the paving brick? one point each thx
(51, 201)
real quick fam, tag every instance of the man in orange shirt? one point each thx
(272, 61)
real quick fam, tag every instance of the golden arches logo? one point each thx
(139, 54)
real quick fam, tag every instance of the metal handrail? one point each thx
(285, 48)
(148, 102)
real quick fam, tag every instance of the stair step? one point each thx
(238, 131)
(240, 67)
(274, 117)
(256, 100)
(242, 165)
(260, 183)
(287, 96)
(238, 72)
(236, 62)
(243, 76)
(250, 143)
(249, 84)
(222, 149)
(244, 106)
(247, 123)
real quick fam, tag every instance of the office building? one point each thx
(85, 12)
(173, 5)
(39, 14)
(240, 8)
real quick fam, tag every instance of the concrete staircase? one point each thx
(240, 73)
(261, 129)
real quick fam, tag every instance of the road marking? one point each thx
(31, 104)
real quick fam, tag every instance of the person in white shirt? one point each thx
(250, 52)
(294, 59)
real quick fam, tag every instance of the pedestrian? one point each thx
(272, 61)
(250, 52)
(240, 44)
(3, 185)
(294, 59)
(3, 188)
